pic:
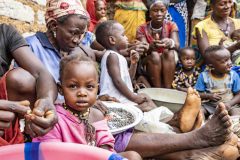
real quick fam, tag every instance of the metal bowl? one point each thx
(170, 98)
(136, 112)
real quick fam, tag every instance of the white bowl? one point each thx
(136, 112)
(170, 98)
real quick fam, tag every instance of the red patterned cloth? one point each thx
(167, 29)
(12, 135)
(59, 8)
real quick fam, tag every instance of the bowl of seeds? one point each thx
(122, 116)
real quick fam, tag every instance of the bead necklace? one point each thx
(83, 117)
(155, 29)
(225, 31)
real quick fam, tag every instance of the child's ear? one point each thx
(59, 87)
(111, 40)
(210, 66)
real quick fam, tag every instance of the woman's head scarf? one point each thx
(151, 3)
(59, 8)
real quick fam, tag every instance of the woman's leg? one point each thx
(215, 132)
(153, 63)
(21, 85)
(168, 68)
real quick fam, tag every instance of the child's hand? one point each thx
(214, 97)
(134, 57)
(227, 105)
(222, 41)
(102, 19)
(140, 47)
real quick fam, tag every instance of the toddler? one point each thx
(187, 75)
(78, 121)
(219, 83)
(116, 78)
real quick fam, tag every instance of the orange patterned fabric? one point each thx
(59, 8)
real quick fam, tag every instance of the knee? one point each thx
(132, 155)
(169, 55)
(21, 81)
(155, 58)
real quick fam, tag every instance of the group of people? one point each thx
(69, 51)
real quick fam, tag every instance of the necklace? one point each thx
(225, 31)
(79, 115)
(154, 29)
(83, 117)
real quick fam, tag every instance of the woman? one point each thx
(162, 36)
(65, 29)
(97, 11)
(218, 26)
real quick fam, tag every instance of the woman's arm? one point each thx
(46, 90)
(202, 41)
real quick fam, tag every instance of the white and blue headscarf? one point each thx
(150, 3)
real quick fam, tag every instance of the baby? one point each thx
(187, 75)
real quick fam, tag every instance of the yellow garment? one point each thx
(212, 30)
(130, 19)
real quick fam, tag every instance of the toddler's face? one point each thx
(236, 35)
(221, 61)
(121, 40)
(188, 59)
(79, 85)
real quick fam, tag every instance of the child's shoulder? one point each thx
(95, 115)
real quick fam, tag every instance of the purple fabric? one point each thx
(122, 139)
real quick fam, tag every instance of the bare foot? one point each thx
(217, 130)
(190, 110)
(199, 121)
(226, 151)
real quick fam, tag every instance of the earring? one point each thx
(54, 34)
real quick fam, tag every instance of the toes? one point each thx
(221, 107)
(223, 114)
(190, 90)
(227, 124)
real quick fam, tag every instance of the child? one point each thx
(78, 121)
(219, 83)
(116, 79)
(235, 36)
(187, 75)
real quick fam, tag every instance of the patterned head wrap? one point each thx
(59, 8)
(150, 3)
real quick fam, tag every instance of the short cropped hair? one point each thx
(103, 31)
(181, 51)
(75, 58)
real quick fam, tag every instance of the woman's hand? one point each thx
(42, 119)
(140, 47)
(8, 110)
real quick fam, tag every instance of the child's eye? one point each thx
(90, 86)
(72, 86)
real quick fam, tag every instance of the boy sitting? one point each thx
(219, 83)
